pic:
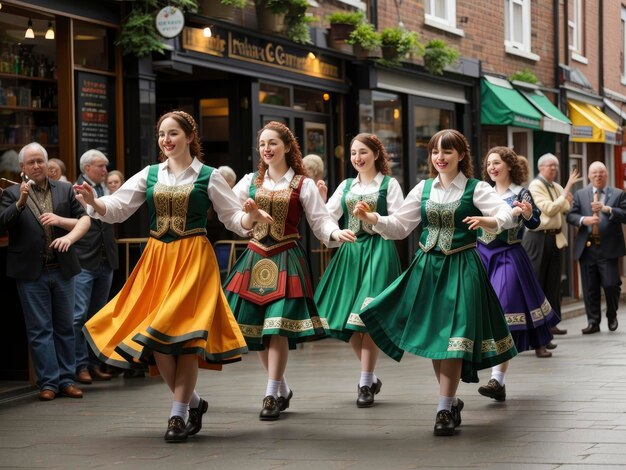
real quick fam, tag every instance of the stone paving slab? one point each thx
(565, 412)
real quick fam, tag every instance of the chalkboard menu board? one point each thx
(95, 114)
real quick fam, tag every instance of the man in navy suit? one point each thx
(44, 220)
(599, 212)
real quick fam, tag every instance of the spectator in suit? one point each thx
(98, 255)
(599, 212)
(545, 243)
(44, 220)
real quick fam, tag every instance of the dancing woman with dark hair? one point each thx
(270, 289)
(172, 311)
(526, 309)
(360, 271)
(443, 306)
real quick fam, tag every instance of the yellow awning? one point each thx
(589, 124)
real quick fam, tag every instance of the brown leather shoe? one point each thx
(542, 352)
(551, 345)
(591, 329)
(71, 391)
(97, 374)
(47, 395)
(84, 377)
(555, 330)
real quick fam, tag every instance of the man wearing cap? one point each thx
(599, 212)
(545, 244)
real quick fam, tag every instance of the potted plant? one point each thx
(342, 23)
(270, 15)
(298, 22)
(397, 43)
(365, 41)
(138, 35)
(438, 55)
(221, 9)
(525, 75)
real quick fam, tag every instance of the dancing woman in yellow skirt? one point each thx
(172, 310)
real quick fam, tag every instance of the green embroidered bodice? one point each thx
(443, 226)
(377, 202)
(178, 211)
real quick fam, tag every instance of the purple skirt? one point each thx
(526, 309)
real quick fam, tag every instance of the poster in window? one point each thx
(95, 116)
(315, 139)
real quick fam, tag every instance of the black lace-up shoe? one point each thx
(270, 411)
(444, 424)
(494, 390)
(456, 412)
(176, 430)
(365, 397)
(283, 402)
(195, 417)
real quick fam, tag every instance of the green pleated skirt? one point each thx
(357, 273)
(442, 307)
(286, 308)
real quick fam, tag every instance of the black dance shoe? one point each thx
(444, 423)
(283, 402)
(195, 417)
(494, 390)
(456, 412)
(377, 386)
(176, 430)
(365, 397)
(270, 411)
(613, 324)
(591, 329)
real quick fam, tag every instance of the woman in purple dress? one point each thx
(526, 309)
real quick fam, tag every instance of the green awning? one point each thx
(553, 120)
(502, 105)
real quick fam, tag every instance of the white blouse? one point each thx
(400, 224)
(316, 213)
(132, 194)
(394, 195)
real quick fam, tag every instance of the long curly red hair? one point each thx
(293, 156)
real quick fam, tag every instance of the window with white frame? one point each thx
(442, 14)
(575, 29)
(517, 28)
(622, 59)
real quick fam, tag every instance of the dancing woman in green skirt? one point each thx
(443, 306)
(360, 271)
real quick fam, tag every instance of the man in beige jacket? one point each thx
(545, 244)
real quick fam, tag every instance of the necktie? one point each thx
(594, 227)
(99, 190)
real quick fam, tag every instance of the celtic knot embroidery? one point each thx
(354, 223)
(440, 224)
(171, 204)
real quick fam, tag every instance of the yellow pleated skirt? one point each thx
(172, 303)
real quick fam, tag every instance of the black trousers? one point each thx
(598, 273)
(546, 259)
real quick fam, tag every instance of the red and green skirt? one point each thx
(270, 293)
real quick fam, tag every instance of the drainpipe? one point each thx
(601, 49)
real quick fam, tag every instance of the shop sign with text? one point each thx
(240, 46)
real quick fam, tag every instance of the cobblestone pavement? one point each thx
(565, 412)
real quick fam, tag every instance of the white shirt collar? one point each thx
(378, 180)
(515, 188)
(287, 176)
(459, 181)
(196, 166)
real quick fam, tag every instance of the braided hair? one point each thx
(189, 127)
(372, 142)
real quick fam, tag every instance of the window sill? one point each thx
(579, 58)
(435, 22)
(518, 52)
(355, 3)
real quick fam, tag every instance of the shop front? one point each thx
(54, 61)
